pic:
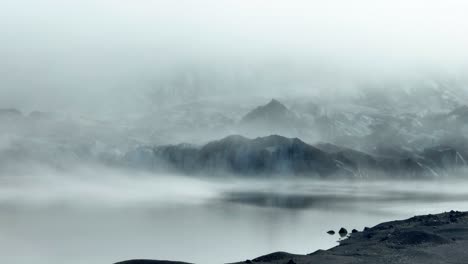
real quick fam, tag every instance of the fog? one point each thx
(98, 215)
(106, 56)
(160, 129)
(102, 187)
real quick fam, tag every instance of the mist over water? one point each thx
(105, 57)
(216, 131)
(102, 215)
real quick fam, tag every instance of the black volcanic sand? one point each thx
(427, 239)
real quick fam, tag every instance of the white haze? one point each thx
(90, 186)
(100, 215)
(120, 74)
(104, 56)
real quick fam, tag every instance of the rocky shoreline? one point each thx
(427, 239)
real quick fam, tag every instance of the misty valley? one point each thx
(107, 190)
(247, 131)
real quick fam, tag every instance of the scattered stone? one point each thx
(403, 242)
(331, 232)
(343, 231)
(354, 231)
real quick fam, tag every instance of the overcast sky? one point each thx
(61, 54)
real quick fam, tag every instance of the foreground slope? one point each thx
(429, 239)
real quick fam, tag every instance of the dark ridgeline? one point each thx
(273, 118)
(272, 114)
(373, 155)
(265, 155)
(243, 156)
(276, 155)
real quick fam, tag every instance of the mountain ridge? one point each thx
(276, 155)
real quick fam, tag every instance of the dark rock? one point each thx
(354, 231)
(444, 156)
(331, 232)
(274, 113)
(317, 252)
(248, 261)
(402, 241)
(416, 238)
(273, 257)
(239, 155)
(433, 220)
(278, 155)
(343, 231)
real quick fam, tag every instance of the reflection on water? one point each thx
(367, 196)
(102, 219)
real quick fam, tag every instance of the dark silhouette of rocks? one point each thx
(427, 239)
(272, 118)
(285, 156)
(331, 232)
(239, 155)
(415, 237)
(444, 156)
(273, 113)
(343, 232)
(273, 257)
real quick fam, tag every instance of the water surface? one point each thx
(103, 216)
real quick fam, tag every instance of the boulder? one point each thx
(343, 231)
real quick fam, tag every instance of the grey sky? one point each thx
(58, 54)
